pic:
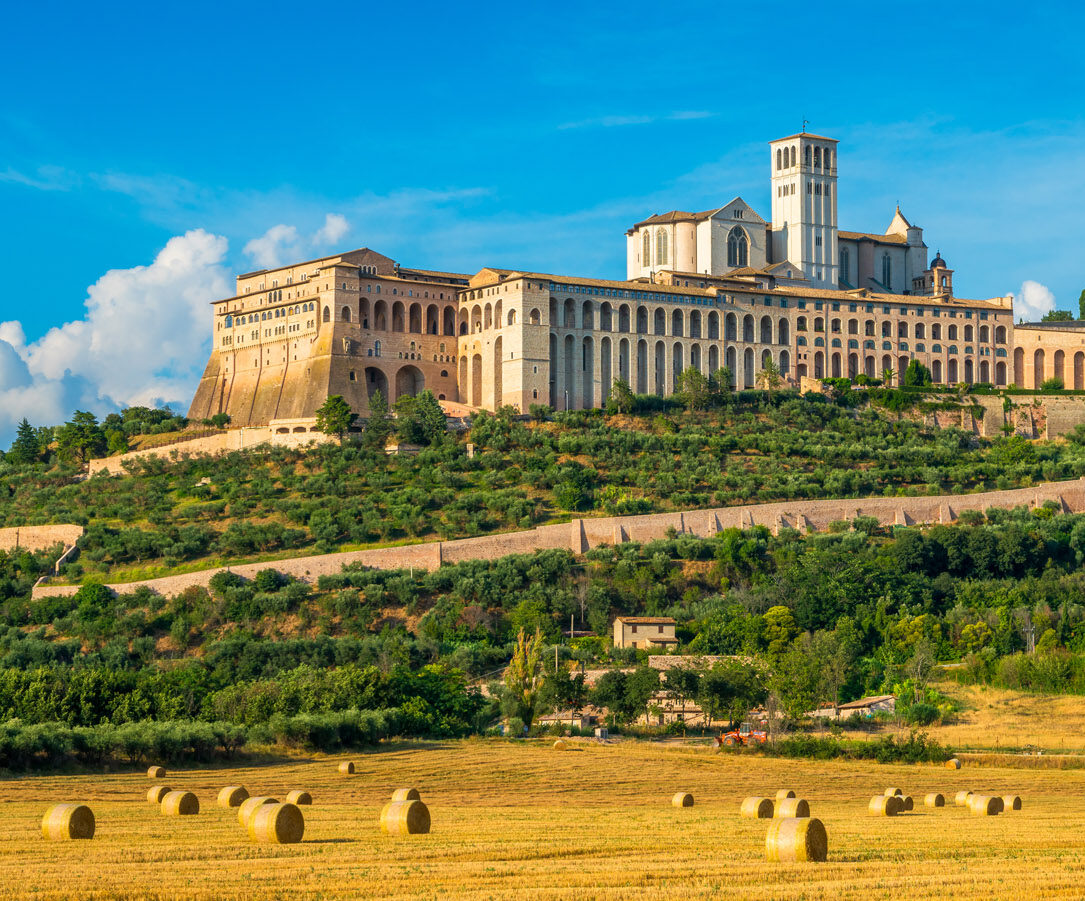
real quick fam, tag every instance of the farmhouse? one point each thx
(644, 632)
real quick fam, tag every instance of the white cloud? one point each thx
(1033, 301)
(620, 121)
(138, 343)
(335, 227)
(274, 247)
(283, 244)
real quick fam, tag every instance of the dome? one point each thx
(938, 262)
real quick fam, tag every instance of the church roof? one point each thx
(677, 216)
(869, 236)
(805, 134)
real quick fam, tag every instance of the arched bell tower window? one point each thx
(738, 247)
(779, 158)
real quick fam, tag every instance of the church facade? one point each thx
(720, 288)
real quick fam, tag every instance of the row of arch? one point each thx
(416, 318)
(1049, 366)
(852, 365)
(918, 330)
(820, 158)
(582, 371)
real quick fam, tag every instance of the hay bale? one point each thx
(894, 791)
(248, 808)
(796, 840)
(156, 772)
(784, 793)
(559, 745)
(961, 798)
(180, 804)
(67, 821)
(999, 803)
(984, 806)
(953, 764)
(405, 818)
(935, 800)
(347, 767)
(1011, 802)
(884, 806)
(682, 799)
(406, 794)
(792, 808)
(757, 808)
(232, 796)
(277, 824)
(156, 793)
(906, 803)
(299, 797)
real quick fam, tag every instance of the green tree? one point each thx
(769, 377)
(917, 375)
(81, 438)
(693, 388)
(334, 416)
(26, 448)
(888, 374)
(524, 677)
(1058, 315)
(420, 420)
(1081, 304)
(378, 426)
(621, 398)
(722, 380)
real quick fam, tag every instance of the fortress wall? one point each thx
(39, 538)
(1064, 414)
(582, 534)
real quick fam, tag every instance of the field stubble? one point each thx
(520, 820)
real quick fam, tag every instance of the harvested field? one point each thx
(514, 820)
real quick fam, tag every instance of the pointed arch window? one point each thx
(646, 253)
(845, 264)
(738, 247)
(661, 248)
(887, 271)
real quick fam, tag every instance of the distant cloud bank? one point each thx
(1033, 301)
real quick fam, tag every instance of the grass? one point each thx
(520, 820)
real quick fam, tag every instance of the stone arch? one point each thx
(409, 381)
(1019, 367)
(1079, 371)
(819, 364)
(1038, 368)
(498, 372)
(606, 317)
(605, 378)
(414, 319)
(623, 360)
(747, 363)
(713, 326)
(785, 363)
(677, 323)
(536, 316)
(344, 314)
(376, 380)
(398, 322)
(465, 315)
(695, 324)
(380, 316)
(677, 364)
(569, 399)
(659, 322)
(731, 327)
(660, 360)
(623, 318)
(766, 330)
(783, 332)
(587, 316)
(969, 370)
(747, 329)
(476, 319)
(936, 372)
(1000, 373)
(587, 374)
(1059, 366)
(327, 314)
(713, 357)
(487, 317)
(642, 321)
(730, 355)
(449, 321)
(568, 319)
(836, 365)
(433, 317)
(642, 367)
(985, 372)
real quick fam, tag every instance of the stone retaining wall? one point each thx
(39, 538)
(582, 534)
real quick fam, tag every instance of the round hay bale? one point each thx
(999, 803)
(682, 799)
(180, 804)
(784, 793)
(893, 791)
(559, 745)
(1011, 802)
(67, 821)
(249, 806)
(299, 797)
(277, 824)
(792, 808)
(984, 806)
(347, 767)
(796, 840)
(961, 798)
(884, 806)
(758, 808)
(156, 793)
(156, 772)
(906, 803)
(935, 800)
(953, 764)
(406, 794)
(232, 796)
(405, 818)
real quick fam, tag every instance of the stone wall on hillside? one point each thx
(39, 538)
(582, 534)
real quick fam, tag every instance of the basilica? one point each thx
(722, 288)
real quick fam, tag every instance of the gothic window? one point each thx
(647, 251)
(661, 248)
(887, 272)
(738, 246)
(845, 264)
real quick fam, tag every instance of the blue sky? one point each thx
(147, 153)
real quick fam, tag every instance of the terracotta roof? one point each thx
(1071, 326)
(805, 134)
(676, 216)
(627, 285)
(646, 620)
(868, 236)
(865, 295)
(866, 702)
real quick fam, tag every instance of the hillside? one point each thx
(267, 504)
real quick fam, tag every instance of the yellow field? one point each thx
(526, 821)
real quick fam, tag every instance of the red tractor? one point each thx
(744, 735)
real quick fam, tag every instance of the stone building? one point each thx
(721, 288)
